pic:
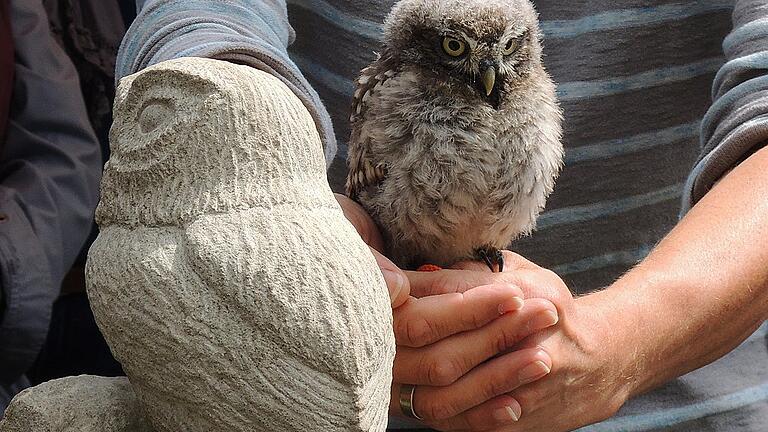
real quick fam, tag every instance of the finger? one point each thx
(535, 282)
(512, 262)
(427, 320)
(362, 221)
(489, 380)
(424, 284)
(444, 362)
(496, 413)
(397, 283)
(459, 279)
(521, 405)
(543, 283)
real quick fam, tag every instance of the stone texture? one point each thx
(225, 277)
(76, 404)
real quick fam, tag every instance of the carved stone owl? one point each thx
(225, 277)
(456, 130)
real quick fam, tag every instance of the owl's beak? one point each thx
(489, 80)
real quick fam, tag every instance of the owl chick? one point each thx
(456, 129)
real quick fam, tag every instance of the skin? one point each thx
(614, 344)
(442, 337)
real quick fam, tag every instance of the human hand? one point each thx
(397, 283)
(450, 337)
(442, 337)
(586, 382)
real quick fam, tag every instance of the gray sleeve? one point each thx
(251, 32)
(737, 123)
(49, 174)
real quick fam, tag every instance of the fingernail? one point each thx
(394, 280)
(533, 371)
(511, 305)
(508, 413)
(544, 320)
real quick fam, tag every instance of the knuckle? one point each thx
(612, 408)
(479, 419)
(453, 300)
(438, 411)
(472, 320)
(468, 317)
(494, 387)
(442, 283)
(528, 397)
(443, 371)
(505, 340)
(415, 332)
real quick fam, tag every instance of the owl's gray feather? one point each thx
(450, 154)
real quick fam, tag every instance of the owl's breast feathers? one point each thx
(405, 118)
(443, 173)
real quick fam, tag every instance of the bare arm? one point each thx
(704, 289)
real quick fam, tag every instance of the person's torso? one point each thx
(634, 79)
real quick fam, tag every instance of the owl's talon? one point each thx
(499, 258)
(492, 257)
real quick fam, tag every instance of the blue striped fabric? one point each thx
(636, 79)
(620, 19)
(566, 91)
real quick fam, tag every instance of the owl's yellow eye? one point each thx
(510, 47)
(454, 47)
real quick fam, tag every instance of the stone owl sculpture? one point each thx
(456, 130)
(225, 277)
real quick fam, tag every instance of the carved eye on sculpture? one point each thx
(154, 113)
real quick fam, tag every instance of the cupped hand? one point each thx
(587, 381)
(445, 341)
(449, 346)
(397, 283)
(455, 341)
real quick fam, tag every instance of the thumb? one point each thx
(397, 283)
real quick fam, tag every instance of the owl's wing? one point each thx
(364, 172)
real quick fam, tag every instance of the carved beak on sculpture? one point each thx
(489, 77)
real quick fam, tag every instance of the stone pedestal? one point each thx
(76, 404)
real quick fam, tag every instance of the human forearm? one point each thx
(703, 290)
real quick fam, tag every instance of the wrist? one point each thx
(613, 325)
(642, 311)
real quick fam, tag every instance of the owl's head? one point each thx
(489, 45)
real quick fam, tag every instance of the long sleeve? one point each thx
(737, 123)
(49, 174)
(251, 32)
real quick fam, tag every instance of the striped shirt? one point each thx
(660, 97)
